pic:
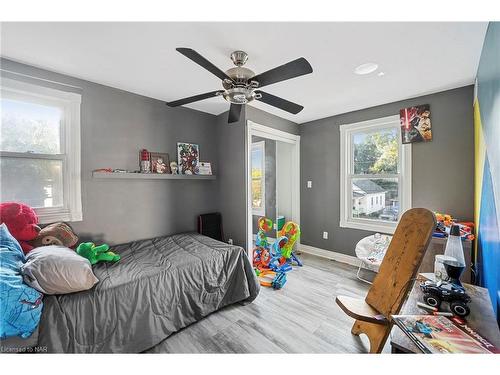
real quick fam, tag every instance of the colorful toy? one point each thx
(272, 279)
(21, 220)
(444, 223)
(96, 253)
(272, 262)
(261, 258)
(290, 230)
(265, 225)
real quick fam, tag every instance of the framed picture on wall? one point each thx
(188, 158)
(416, 124)
(160, 162)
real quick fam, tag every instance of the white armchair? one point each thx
(371, 251)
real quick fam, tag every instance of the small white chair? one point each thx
(371, 251)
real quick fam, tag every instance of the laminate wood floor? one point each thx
(300, 318)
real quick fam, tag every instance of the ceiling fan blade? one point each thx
(278, 102)
(203, 62)
(234, 113)
(295, 68)
(195, 98)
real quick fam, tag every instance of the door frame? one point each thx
(259, 130)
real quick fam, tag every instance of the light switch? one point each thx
(309, 184)
(325, 235)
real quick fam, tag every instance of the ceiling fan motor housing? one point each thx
(239, 91)
(239, 58)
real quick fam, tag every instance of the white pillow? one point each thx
(57, 270)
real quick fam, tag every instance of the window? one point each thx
(375, 186)
(40, 150)
(258, 178)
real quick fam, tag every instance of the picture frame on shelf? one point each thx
(188, 158)
(160, 162)
(205, 168)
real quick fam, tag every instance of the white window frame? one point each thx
(69, 102)
(262, 146)
(346, 174)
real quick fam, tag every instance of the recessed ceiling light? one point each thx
(366, 68)
(381, 74)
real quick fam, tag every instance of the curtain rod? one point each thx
(40, 79)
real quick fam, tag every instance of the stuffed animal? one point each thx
(96, 253)
(21, 220)
(59, 234)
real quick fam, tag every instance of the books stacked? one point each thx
(438, 334)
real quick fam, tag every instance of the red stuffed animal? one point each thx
(21, 221)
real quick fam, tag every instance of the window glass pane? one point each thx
(30, 127)
(257, 174)
(375, 199)
(257, 193)
(376, 152)
(35, 182)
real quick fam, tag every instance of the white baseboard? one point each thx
(339, 257)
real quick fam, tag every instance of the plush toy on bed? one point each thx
(59, 234)
(21, 220)
(96, 254)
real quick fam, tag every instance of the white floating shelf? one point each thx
(150, 176)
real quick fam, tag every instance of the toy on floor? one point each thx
(96, 254)
(271, 279)
(265, 225)
(272, 262)
(291, 231)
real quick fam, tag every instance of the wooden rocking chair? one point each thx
(392, 284)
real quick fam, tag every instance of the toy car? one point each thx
(435, 293)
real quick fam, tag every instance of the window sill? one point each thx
(386, 228)
(48, 217)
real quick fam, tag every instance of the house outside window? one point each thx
(258, 178)
(375, 187)
(40, 150)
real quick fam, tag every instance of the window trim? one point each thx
(346, 156)
(261, 211)
(70, 146)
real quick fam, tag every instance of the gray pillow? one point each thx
(57, 270)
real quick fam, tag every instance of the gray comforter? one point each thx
(158, 287)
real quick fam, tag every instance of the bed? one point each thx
(159, 286)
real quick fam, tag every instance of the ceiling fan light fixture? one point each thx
(366, 68)
(239, 95)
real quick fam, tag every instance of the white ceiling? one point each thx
(417, 58)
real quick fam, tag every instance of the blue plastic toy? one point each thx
(279, 280)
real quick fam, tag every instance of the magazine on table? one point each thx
(438, 334)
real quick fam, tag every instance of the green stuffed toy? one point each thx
(96, 253)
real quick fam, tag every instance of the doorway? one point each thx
(273, 178)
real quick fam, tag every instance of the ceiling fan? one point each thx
(241, 85)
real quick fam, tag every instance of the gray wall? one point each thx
(270, 180)
(231, 177)
(442, 169)
(114, 125)
(264, 118)
(231, 158)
